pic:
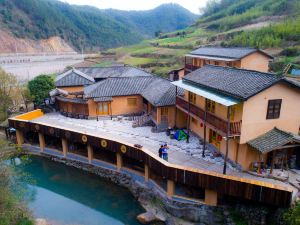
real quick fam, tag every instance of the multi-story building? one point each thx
(245, 58)
(235, 109)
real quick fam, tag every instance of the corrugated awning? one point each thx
(219, 98)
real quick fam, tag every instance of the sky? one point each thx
(192, 5)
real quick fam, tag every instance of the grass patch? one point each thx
(104, 63)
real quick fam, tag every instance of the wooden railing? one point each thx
(211, 119)
(191, 67)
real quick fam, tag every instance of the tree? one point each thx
(40, 87)
(292, 217)
(26, 97)
(7, 83)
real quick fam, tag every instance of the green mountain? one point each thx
(271, 25)
(89, 27)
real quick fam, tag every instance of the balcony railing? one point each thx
(211, 119)
(191, 67)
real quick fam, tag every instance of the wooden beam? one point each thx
(119, 161)
(42, 141)
(211, 197)
(170, 188)
(64, 146)
(147, 173)
(20, 137)
(90, 153)
(227, 139)
(204, 135)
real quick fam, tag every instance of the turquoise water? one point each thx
(69, 196)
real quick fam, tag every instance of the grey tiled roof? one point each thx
(238, 83)
(114, 71)
(103, 99)
(231, 53)
(73, 78)
(271, 140)
(158, 91)
(73, 100)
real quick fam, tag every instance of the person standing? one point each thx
(165, 152)
(160, 151)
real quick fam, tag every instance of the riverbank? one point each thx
(150, 196)
(173, 211)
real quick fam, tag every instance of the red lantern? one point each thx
(219, 138)
(201, 124)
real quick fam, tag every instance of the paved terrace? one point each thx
(180, 153)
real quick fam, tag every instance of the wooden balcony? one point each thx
(190, 67)
(211, 119)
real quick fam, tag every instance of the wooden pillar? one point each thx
(20, 137)
(64, 146)
(90, 153)
(170, 188)
(175, 123)
(147, 173)
(204, 138)
(42, 141)
(110, 106)
(272, 163)
(189, 118)
(227, 139)
(119, 161)
(211, 197)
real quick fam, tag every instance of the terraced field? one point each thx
(162, 54)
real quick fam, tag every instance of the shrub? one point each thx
(292, 217)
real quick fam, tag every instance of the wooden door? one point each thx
(103, 108)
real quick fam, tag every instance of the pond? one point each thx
(68, 196)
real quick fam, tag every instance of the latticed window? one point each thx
(274, 107)
(210, 106)
(192, 98)
(132, 101)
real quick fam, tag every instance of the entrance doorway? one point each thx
(103, 108)
(215, 138)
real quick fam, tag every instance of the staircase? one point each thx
(287, 68)
(142, 121)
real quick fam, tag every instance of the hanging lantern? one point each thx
(201, 124)
(219, 138)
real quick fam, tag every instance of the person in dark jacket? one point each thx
(160, 151)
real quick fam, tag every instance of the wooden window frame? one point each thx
(210, 105)
(192, 98)
(132, 104)
(272, 111)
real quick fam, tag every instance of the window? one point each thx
(274, 107)
(192, 98)
(210, 106)
(103, 108)
(132, 101)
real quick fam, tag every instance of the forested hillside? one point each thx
(271, 25)
(88, 27)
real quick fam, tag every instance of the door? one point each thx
(103, 108)
(214, 138)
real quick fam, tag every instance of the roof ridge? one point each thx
(242, 69)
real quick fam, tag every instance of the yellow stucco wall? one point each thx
(120, 105)
(254, 122)
(256, 61)
(72, 88)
